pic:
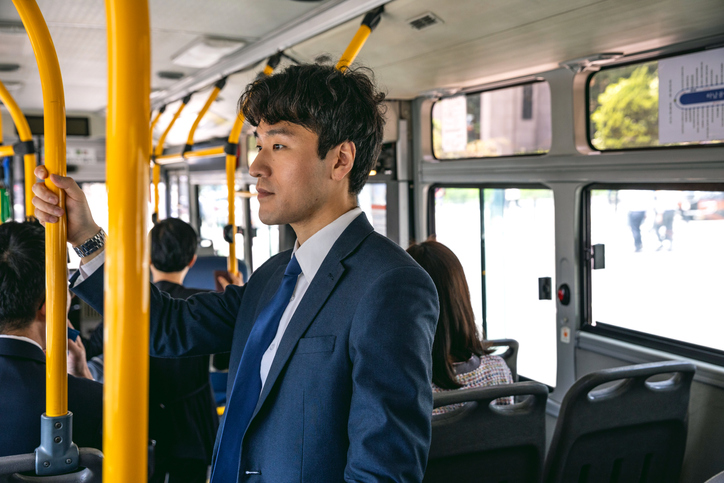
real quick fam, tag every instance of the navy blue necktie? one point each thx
(247, 384)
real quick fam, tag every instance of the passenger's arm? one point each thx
(200, 325)
(391, 351)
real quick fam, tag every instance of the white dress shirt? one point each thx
(310, 256)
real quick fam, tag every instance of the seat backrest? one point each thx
(15, 469)
(201, 275)
(485, 442)
(632, 429)
(510, 356)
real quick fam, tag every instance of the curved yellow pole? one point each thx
(212, 97)
(125, 396)
(7, 151)
(161, 110)
(21, 124)
(56, 279)
(369, 23)
(159, 151)
(232, 265)
(200, 153)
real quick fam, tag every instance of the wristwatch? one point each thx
(91, 245)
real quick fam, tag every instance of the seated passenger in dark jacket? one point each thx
(182, 410)
(22, 346)
(460, 359)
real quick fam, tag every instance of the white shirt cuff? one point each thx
(87, 269)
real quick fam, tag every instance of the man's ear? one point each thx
(193, 260)
(345, 155)
(41, 312)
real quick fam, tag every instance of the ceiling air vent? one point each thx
(424, 21)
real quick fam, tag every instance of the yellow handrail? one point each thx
(212, 97)
(7, 151)
(161, 110)
(21, 124)
(56, 279)
(158, 151)
(200, 153)
(369, 23)
(125, 398)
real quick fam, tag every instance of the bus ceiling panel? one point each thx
(297, 28)
(478, 42)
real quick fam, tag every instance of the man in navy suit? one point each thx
(344, 383)
(22, 345)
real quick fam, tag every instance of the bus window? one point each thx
(214, 214)
(504, 252)
(179, 194)
(503, 122)
(663, 261)
(667, 102)
(373, 201)
(266, 242)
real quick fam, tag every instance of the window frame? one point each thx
(481, 91)
(644, 339)
(633, 60)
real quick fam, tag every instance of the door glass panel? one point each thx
(517, 238)
(373, 201)
(663, 264)
(214, 214)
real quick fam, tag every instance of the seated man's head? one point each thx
(173, 249)
(22, 280)
(319, 133)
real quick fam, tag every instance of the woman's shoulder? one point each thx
(493, 370)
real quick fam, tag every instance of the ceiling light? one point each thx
(205, 52)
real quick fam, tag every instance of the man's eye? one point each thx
(258, 148)
(277, 146)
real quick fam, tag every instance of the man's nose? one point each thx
(259, 166)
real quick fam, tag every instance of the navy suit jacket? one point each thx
(22, 400)
(348, 395)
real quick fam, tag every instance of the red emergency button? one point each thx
(564, 294)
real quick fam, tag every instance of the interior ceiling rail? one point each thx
(325, 17)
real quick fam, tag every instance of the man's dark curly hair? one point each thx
(336, 106)
(22, 273)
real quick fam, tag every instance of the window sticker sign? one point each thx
(453, 124)
(691, 97)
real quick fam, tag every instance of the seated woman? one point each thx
(460, 359)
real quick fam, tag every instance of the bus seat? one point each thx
(510, 356)
(630, 430)
(718, 478)
(201, 275)
(480, 442)
(17, 468)
(218, 384)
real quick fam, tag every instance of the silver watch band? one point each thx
(91, 245)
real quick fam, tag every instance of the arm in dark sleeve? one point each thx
(391, 351)
(200, 325)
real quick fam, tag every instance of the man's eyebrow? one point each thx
(279, 131)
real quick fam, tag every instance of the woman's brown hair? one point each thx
(456, 337)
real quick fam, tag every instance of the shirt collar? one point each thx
(311, 255)
(20, 337)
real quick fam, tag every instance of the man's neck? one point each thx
(35, 332)
(173, 277)
(307, 229)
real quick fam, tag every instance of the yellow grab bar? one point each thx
(369, 23)
(161, 110)
(6, 150)
(21, 124)
(200, 153)
(212, 97)
(125, 397)
(56, 278)
(159, 151)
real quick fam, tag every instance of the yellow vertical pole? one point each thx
(232, 265)
(212, 97)
(21, 124)
(56, 279)
(125, 397)
(369, 23)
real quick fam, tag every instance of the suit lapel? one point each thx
(324, 282)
